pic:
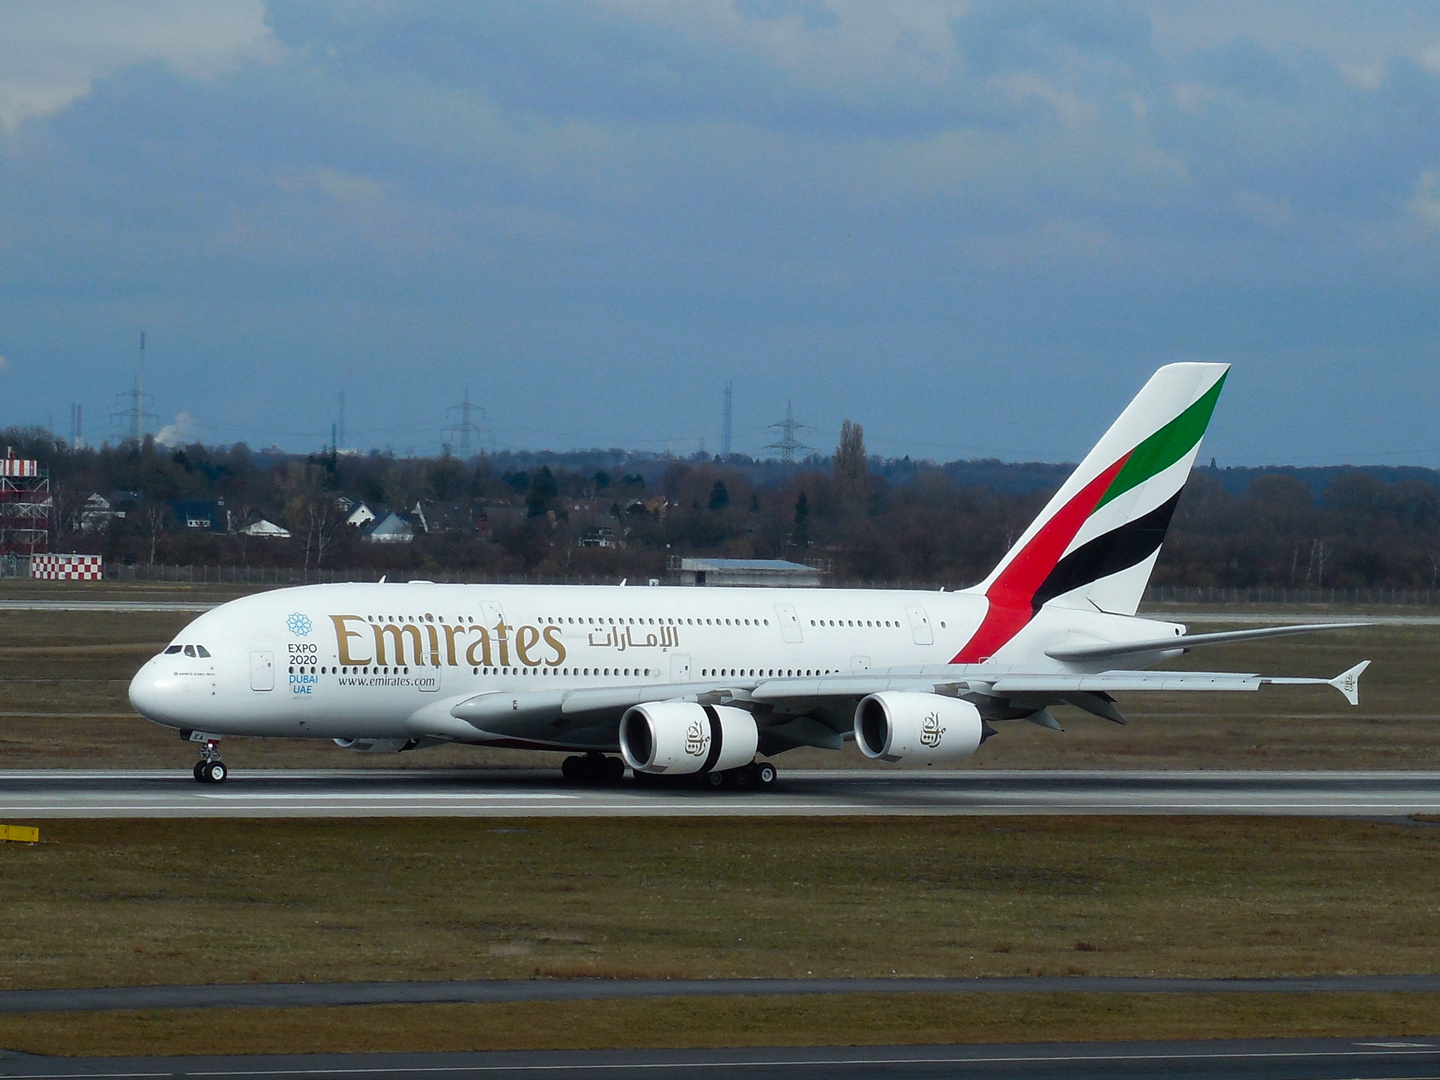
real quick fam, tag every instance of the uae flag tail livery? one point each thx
(1095, 543)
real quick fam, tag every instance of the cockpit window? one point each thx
(171, 650)
(201, 650)
(189, 650)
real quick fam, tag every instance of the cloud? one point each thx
(52, 54)
(178, 433)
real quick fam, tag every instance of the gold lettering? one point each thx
(526, 638)
(503, 642)
(483, 644)
(434, 644)
(552, 638)
(342, 639)
(450, 634)
(398, 634)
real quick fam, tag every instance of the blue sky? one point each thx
(974, 228)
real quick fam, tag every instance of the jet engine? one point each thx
(679, 738)
(925, 729)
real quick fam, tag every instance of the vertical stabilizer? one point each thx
(1097, 540)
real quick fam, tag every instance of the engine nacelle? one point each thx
(925, 729)
(680, 737)
(378, 746)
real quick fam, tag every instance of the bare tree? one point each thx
(154, 516)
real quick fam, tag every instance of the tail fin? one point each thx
(1098, 538)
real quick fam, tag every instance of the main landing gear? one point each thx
(210, 769)
(756, 775)
(593, 768)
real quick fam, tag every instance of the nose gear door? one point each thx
(262, 671)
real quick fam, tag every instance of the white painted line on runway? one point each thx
(426, 796)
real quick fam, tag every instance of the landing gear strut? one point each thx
(210, 769)
(592, 768)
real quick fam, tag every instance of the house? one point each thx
(97, 512)
(207, 516)
(266, 529)
(360, 515)
(602, 536)
(391, 529)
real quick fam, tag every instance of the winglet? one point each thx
(1348, 682)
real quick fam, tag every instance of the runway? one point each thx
(493, 991)
(59, 793)
(1293, 1059)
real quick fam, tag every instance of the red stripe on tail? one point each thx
(1010, 594)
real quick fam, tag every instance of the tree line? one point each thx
(608, 514)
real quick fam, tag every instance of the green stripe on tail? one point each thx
(1166, 446)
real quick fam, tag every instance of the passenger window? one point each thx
(172, 650)
(200, 650)
(189, 650)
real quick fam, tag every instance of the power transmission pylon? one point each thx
(788, 443)
(136, 417)
(467, 432)
(729, 421)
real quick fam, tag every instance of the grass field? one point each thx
(63, 679)
(161, 901)
(164, 901)
(841, 1020)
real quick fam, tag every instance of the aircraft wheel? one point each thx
(715, 779)
(215, 772)
(571, 768)
(765, 774)
(198, 773)
(614, 770)
(742, 778)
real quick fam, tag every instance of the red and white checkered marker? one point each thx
(66, 567)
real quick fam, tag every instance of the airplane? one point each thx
(696, 682)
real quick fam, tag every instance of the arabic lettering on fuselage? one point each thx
(432, 644)
(621, 638)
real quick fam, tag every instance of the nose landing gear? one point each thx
(210, 769)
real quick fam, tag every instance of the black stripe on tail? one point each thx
(1119, 549)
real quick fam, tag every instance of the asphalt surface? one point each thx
(31, 794)
(490, 991)
(1259, 1059)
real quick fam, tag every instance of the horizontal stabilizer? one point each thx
(1348, 682)
(1090, 654)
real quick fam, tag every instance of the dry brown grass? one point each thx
(161, 901)
(840, 1020)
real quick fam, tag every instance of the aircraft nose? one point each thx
(147, 694)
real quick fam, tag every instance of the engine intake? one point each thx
(925, 729)
(680, 738)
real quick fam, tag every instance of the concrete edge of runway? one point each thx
(1138, 1058)
(487, 991)
(859, 773)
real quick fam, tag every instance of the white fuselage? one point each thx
(389, 661)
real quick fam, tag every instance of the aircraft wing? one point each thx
(559, 715)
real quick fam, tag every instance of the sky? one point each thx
(972, 227)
